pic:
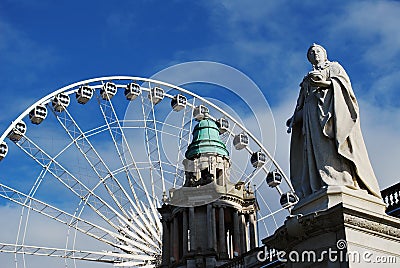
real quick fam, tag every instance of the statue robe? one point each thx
(327, 147)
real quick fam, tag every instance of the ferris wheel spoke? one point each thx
(150, 226)
(98, 205)
(145, 223)
(27, 201)
(127, 159)
(269, 214)
(150, 198)
(154, 222)
(114, 203)
(84, 226)
(103, 256)
(279, 169)
(137, 232)
(134, 264)
(241, 174)
(152, 141)
(32, 192)
(117, 133)
(230, 134)
(184, 139)
(151, 138)
(254, 173)
(112, 185)
(122, 147)
(279, 190)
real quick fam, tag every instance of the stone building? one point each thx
(209, 220)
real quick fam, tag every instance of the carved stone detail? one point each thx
(372, 226)
(300, 228)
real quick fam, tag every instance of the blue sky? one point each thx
(44, 46)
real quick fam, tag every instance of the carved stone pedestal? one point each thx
(351, 233)
(330, 196)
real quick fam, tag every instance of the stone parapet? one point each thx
(340, 236)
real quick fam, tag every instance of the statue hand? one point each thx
(320, 83)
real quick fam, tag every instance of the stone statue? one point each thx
(327, 147)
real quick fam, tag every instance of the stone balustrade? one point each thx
(391, 197)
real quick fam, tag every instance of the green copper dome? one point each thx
(206, 140)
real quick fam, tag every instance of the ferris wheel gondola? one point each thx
(104, 168)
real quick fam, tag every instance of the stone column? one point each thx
(171, 237)
(176, 238)
(165, 245)
(214, 229)
(210, 241)
(222, 232)
(192, 228)
(242, 226)
(236, 232)
(184, 232)
(253, 231)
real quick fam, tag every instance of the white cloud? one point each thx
(42, 232)
(271, 34)
(384, 90)
(18, 51)
(268, 40)
(381, 131)
(17, 48)
(375, 23)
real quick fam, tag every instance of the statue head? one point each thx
(316, 54)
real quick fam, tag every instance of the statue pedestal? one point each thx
(331, 196)
(349, 230)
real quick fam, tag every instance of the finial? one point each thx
(164, 198)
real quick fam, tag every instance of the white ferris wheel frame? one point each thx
(70, 220)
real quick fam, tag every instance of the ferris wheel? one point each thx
(84, 169)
